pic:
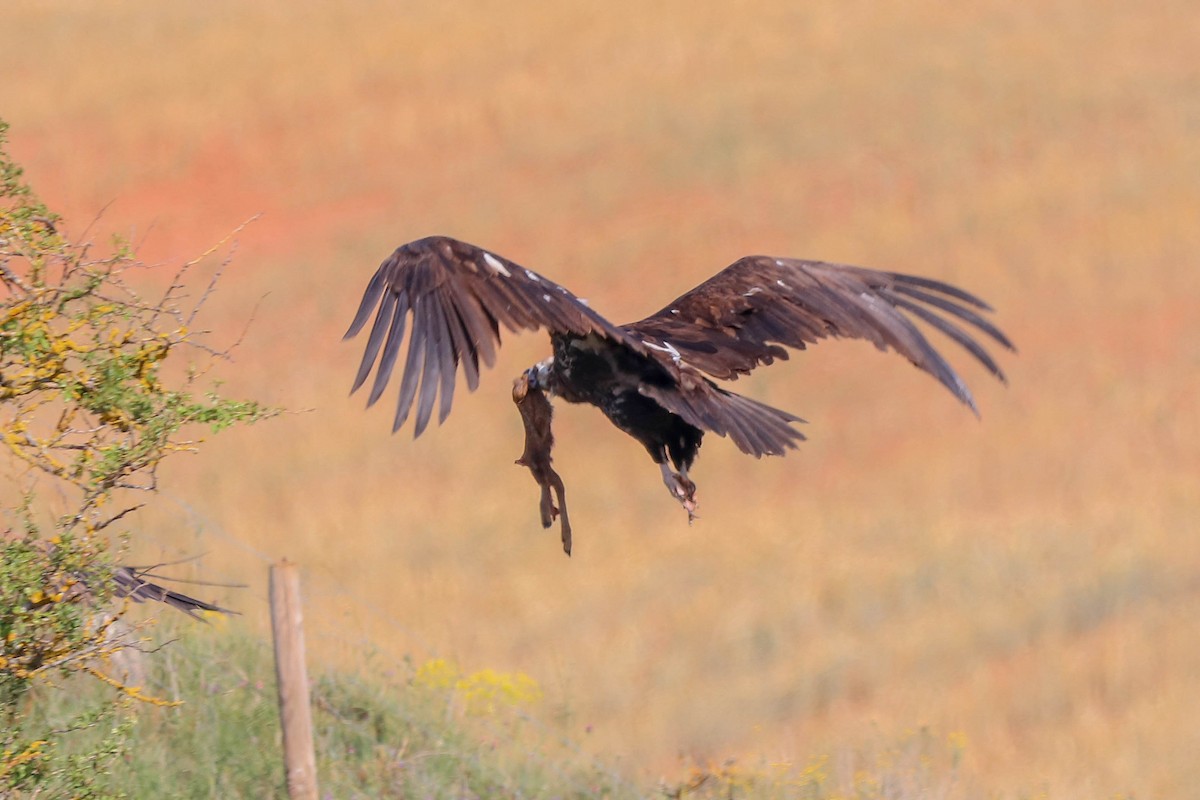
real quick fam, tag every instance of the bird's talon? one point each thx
(681, 488)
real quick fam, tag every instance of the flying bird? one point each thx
(132, 582)
(655, 379)
(126, 581)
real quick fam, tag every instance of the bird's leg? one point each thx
(680, 487)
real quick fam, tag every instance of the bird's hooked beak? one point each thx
(539, 375)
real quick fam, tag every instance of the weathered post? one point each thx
(295, 711)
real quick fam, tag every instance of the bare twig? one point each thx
(118, 516)
(95, 220)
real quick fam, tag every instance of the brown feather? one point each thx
(458, 296)
(737, 320)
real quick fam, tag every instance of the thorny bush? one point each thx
(97, 386)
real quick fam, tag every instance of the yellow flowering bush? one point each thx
(481, 693)
(90, 404)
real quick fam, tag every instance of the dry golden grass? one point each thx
(1029, 582)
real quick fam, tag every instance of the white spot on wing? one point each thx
(496, 264)
(532, 276)
(674, 310)
(665, 347)
(546, 297)
(779, 262)
(753, 291)
(784, 285)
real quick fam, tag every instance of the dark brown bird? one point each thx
(132, 582)
(652, 378)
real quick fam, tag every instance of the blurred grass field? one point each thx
(1028, 583)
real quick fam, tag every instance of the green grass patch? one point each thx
(400, 736)
(429, 731)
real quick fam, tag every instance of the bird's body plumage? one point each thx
(655, 379)
(614, 379)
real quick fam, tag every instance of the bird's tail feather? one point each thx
(756, 428)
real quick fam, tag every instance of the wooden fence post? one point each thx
(295, 712)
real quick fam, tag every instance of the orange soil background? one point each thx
(1029, 583)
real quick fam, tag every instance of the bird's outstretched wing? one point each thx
(744, 315)
(458, 296)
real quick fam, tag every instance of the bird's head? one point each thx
(539, 375)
